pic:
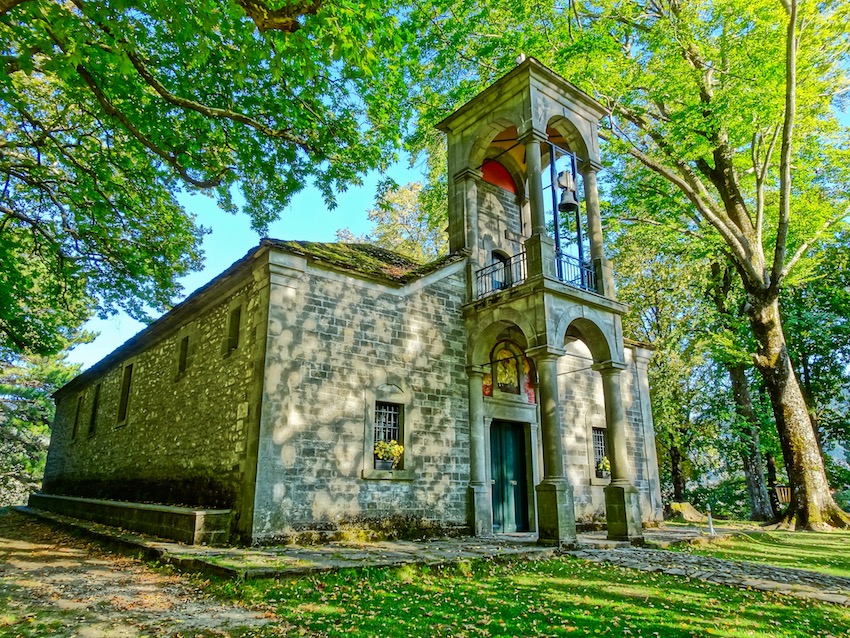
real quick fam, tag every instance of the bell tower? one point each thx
(522, 162)
(516, 154)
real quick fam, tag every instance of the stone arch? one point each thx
(580, 326)
(485, 135)
(573, 137)
(506, 324)
(514, 168)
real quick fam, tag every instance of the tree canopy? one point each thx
(26, 411)
(111, 109)
(402, 225)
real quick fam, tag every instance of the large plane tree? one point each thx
(109, 110)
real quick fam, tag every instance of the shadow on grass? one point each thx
(558, 597)
(825, 552)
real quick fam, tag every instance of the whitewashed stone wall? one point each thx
(333, 341)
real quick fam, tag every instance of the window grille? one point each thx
(387, 422)
(598, 445)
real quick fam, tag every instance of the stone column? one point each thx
(466, 181)
(539, 248)
(535, 184)
(622, 503)
(642, 356)
(604, 273)
(480, 504)
(555, 507)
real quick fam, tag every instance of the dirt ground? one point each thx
(53, 583)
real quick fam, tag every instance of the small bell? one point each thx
(569, 203)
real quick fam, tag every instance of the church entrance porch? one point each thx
(509, 477)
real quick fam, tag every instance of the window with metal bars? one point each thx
(387, 421)
(599, 452)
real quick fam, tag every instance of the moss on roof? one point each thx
(366, 259)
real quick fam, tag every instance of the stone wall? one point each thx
(582, 408)
(498, 212)
(183, 441)
(336, 343)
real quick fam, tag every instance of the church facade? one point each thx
(498, 373)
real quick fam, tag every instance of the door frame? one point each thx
(530, 445)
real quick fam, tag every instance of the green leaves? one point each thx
(401, 224)
(109, 110)
(26, 411)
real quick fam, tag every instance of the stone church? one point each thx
(501, 369)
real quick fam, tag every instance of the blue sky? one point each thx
(306, 218)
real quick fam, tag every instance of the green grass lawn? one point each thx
(826, 552)
(559, 597)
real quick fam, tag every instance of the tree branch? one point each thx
(804, 247)
(210, 111)
(8, 5)
(283, 19)
(787, 134)
(761, 176)
(131, 128)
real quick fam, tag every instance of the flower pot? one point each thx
(384, 464)
(603, 474)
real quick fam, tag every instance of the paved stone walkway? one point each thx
(796, 582)
(292, 560)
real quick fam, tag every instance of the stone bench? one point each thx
(184, 524)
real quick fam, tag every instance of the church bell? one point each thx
(568, 203)
(567, 184)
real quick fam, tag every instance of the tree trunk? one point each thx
(771, 484)
(676, 473)
(760, 507)
(812, 506)
(809, 396)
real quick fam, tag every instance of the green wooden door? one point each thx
(507, 468)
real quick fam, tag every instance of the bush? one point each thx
(728, 499)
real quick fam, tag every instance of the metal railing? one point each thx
(501, 275)
(576, 273)
(511, 271)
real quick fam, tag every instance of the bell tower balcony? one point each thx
(512, 271)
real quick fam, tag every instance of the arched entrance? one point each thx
(509, 391)
(622, 503)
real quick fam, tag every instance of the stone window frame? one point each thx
(192, 343)
(78, 413)
(231, 345)
(128, 402)
(594, 418)
(395, 391)
(95, 409)
(497, 257)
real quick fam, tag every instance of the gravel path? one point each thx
(55, 584)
